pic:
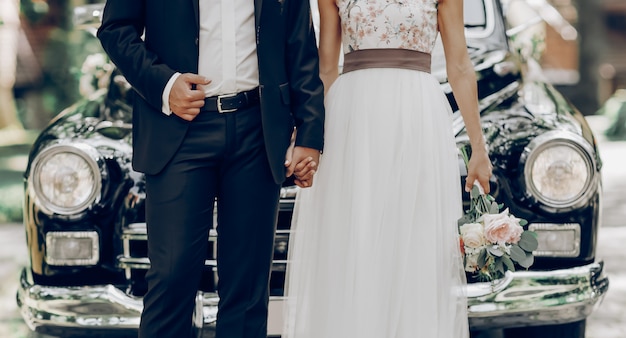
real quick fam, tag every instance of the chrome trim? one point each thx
(576, 142)
(288, 192)
(94, 160)
(489, 24)
(534, 298)
(498, 97)
(575, 227)
(99, 308)
(138, 232)
(95, 250)
(89, 307)
(143, 263)
(511, 32)
(522, 298)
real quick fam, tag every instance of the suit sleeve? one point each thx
(120, 34)
(307, 91)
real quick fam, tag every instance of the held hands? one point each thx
(479, 171)
(301, 162)
(187, 97)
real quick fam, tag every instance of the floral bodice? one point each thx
(404, 24)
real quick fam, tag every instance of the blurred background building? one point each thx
(588, 65)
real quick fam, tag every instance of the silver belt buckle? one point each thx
(219, 103)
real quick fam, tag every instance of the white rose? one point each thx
(471, 263)
(472, 235)
(502, 228)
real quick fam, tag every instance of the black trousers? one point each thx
(223, 156)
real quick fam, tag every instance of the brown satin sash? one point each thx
(386, 58)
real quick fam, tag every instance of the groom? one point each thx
(221, 85)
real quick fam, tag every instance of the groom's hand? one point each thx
(303, 164)
(289, 155)
(187, 96)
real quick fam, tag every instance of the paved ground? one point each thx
(12, 257)
(608, 321)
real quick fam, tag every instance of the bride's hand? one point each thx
(479, 169)
(305, 162)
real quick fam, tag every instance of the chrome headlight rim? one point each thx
(560, 138)
(91, 260)
(92, 158)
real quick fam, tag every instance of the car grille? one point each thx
(135, 263)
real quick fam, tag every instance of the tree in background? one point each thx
(58, 50)
(9, 32)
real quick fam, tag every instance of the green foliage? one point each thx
(34, 11)
(11, 202)
(529, 241)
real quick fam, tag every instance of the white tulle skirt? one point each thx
(374, 249)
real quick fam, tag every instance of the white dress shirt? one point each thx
(227, 48)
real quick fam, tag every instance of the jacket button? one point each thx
(197, 41)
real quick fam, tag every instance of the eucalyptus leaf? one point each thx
(475, 192)
(517, 253)
(528, 260)
(523, 222)
(499, 267)
(496, 251)
(528, 241)
(493, 208)
(465, 219)
(508, 263)
(465, 154)
(482, 258)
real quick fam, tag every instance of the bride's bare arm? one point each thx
(462, 79)
(330, 42)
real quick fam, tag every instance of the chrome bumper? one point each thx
(105, 309)
(522, 298)
(54, 310)
(533, 298)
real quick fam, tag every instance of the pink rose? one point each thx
(502, 228)
(472, 235)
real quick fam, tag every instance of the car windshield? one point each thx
(475, 15)
(479, 23)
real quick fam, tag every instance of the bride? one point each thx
(374, 249)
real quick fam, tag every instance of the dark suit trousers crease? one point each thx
(223, 156)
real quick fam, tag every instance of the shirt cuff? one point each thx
(165, 108)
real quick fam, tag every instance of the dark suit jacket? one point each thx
(291, 91)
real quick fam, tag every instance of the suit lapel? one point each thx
(257, 11)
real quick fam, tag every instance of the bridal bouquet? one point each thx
(493, 241)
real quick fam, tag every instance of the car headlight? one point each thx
(66, 178)
(559, 170)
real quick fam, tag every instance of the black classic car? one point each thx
(86, 231)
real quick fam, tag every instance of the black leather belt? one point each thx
(229, 103)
